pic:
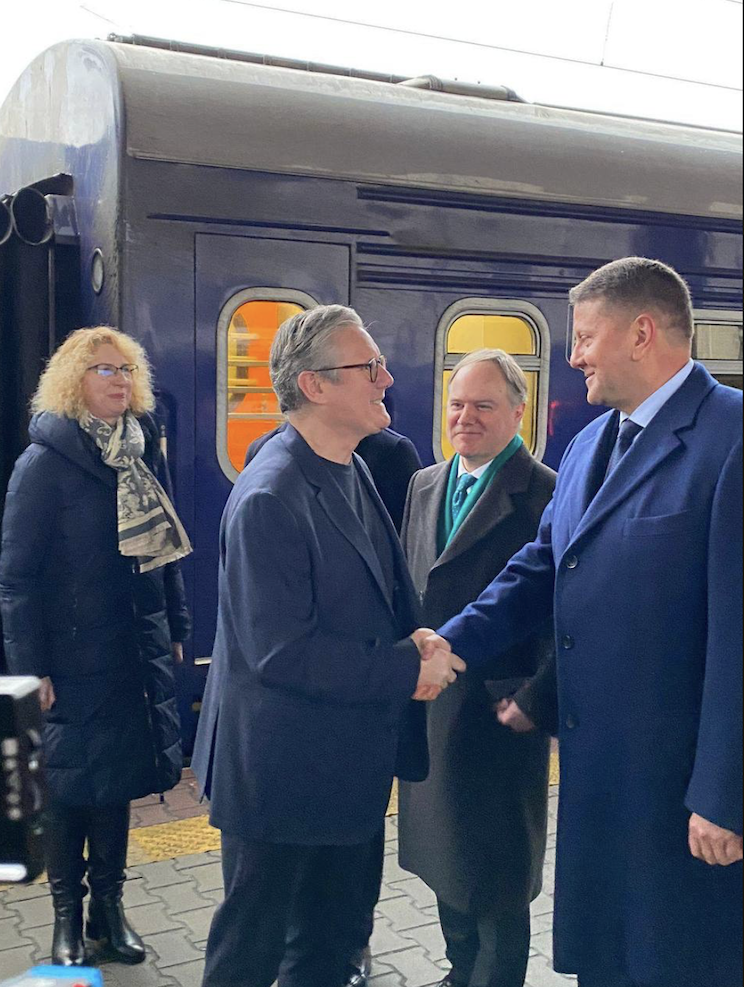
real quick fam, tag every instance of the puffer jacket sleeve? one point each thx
(29, 523)
(179, 619)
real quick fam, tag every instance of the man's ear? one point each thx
(645, 331)
(312, 385)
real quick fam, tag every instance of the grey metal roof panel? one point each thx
(200, 110)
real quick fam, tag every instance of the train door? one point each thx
(245, 288)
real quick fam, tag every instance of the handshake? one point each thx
(439, 667)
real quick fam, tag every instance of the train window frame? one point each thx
(538, 363)
(723, 317)
(289, 296)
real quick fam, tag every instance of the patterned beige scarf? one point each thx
(149, 528)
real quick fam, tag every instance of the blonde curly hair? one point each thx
(60, 389)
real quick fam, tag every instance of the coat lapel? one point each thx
(338, 509)
(660, 440)
(403, 579)
(494, 505)
(590, 457)
(424, 531)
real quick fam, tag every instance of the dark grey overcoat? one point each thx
(475, 830)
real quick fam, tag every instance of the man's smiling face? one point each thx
(353, 399)
(482, 418)
(602, 351)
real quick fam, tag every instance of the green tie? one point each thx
(464, 483)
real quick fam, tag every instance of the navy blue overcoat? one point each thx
(308, 697)
(75, 610)
(645, 583)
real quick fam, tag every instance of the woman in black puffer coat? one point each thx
(93, 604)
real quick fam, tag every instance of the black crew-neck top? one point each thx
(367, 510)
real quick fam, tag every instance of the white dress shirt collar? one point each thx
(646, 412)
(477, 473)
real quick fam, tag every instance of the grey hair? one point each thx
(305, 342)
(637, 282)
(513, 373)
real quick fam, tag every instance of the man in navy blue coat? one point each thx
(307, 710)
(639, 559)
(392, 460)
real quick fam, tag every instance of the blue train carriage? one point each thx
(208, 198)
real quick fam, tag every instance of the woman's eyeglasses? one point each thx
(372, 367)
(128, 370)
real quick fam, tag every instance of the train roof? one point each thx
(195, 109)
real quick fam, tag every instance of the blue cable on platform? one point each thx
(56, 976)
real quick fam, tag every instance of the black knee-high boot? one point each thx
(64, 842)
(108, 837)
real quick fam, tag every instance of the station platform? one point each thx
(175, 882)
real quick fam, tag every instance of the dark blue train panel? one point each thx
(212, 198)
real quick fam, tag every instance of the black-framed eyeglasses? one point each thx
(127, 370)
(372, 367)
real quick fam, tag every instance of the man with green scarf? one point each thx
(475, 830)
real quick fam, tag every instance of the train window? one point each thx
(516, 327)
(719, 345)
(503, 332)
(247, 405)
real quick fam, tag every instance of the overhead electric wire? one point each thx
(478, 44)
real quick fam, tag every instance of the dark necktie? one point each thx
(464, 483)
(629, 431)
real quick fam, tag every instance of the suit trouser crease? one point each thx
(369, 893)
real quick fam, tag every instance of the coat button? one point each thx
(572, 562)
(568, 642)
(571, 722)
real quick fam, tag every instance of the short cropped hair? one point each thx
(513, 373)
(637, 282)
(305, 342)
(60, 388)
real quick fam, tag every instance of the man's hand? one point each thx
(437, 672)
(177, 652)
(510, 715)
(47, 699)
(428, 642)
(714, 845)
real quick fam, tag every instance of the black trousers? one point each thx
(286, 915)
(368, 894)
(487, 950)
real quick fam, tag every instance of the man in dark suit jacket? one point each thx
(307, 706)
(639, 562)
(391, 458)
(475, 830)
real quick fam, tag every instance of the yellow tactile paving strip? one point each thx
(191, 836)
(166, 841)
(174, 839)
(187, 836)
(555, 770)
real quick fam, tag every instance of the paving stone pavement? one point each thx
(171, 905)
